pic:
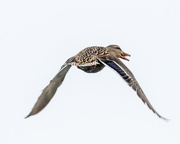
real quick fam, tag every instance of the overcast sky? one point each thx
(38, 36)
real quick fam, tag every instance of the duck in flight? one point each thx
(91, 60)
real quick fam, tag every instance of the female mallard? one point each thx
(91, 60)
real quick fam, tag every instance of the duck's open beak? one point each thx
(123, 54)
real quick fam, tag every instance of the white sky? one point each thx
(38, 36)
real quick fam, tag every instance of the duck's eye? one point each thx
(117, 48)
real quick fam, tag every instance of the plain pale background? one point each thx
(38, 36)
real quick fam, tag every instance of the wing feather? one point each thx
(127, 75)
(49, 91)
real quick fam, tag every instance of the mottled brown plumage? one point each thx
(91, 60)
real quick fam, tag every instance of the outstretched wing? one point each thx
(50, 90)
(127, 75)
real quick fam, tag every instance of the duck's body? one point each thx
(91, 60)
(87, 59)
(88, 56)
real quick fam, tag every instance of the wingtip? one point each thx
(165, 119)
(27, 116)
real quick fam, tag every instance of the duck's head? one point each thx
(116, 50)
